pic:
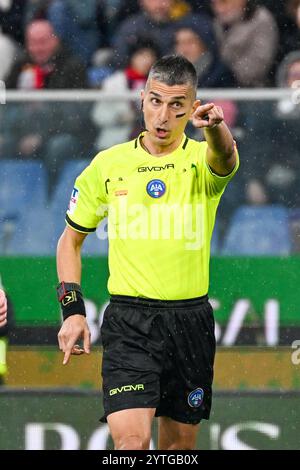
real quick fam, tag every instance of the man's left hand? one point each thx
(3, 309)
(207, 115)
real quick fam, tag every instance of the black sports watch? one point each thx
(64, 287)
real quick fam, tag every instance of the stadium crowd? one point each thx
(111, 45)
(232, 42)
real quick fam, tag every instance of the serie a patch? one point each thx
(73, 200)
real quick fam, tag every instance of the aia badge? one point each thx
(195, 398)
(156, 188)
(73, 200)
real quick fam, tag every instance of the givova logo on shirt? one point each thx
(156, 188)
(73, 200)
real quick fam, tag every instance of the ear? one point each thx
(194, 107)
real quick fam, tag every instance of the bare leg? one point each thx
(131, 429)
(174, 435)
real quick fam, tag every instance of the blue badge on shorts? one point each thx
(195, 398)
(156, 188)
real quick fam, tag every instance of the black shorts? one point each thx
(158, 354)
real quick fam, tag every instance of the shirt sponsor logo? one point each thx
(126, 388)
(156, 188)
(195, 398)
(155, 168)
(73, 200)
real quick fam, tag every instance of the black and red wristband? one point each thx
(71, 300)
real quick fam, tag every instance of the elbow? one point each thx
(228, 151)
(70, 240)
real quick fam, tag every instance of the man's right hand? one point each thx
(73, 328)
(3, 309)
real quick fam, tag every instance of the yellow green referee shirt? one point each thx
(161, 214)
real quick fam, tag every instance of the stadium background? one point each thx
(47, 136)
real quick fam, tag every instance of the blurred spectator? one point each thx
(8, 53)
(256, 194)
(283, 175)
(119, 10)
(36, 10)
(52, 132)
(195, 40)
(11, 18)
(248, 39)
(45, 130)
(201, 6)
(82, 26)
(101, 67)
(119, 120)
(155, 20)
(271, 145)
(288, 76)
(47, 64)
(76, 23)
(289, 27)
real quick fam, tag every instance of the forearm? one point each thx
(74, 325)
(220, 141)
(68, 260)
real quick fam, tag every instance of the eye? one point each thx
(177, 105)
(155, 101)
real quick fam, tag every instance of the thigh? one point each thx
(131, 428)
(174, 435)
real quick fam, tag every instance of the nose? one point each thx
(164, 114)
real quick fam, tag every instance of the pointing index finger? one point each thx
(205, 107)
(68, 351)
(67, 356)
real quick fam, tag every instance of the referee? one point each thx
(160, 192)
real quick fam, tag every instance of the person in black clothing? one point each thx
(195, 40)
(11, 19)
(46, 130)
(47, 63)
(289, 28)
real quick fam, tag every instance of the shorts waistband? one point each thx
(157, 303)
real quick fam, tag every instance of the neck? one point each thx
(156, 149)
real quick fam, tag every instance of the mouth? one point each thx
(161, 132)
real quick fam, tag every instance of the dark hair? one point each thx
(250, 9)
(174, 70)
(144, 42)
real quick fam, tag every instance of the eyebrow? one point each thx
(182, 97)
